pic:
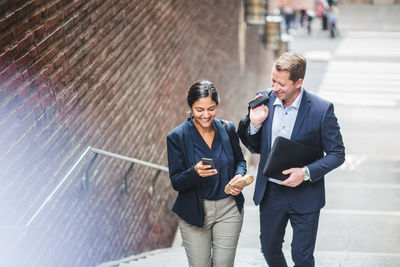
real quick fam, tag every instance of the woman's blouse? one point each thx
(212, 186)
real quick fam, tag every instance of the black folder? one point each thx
(286, 154)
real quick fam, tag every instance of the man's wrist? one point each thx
(256, 126)
(307, 176)
(253, 130)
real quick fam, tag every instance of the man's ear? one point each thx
(299, 83)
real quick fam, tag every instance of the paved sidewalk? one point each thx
(360, 225)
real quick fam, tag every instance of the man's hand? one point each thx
(258, 114)
(296, 177)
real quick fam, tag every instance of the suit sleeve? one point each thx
(240, 163)
(254, 140)
(332, 145)
(182, 178)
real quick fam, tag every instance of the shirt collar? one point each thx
(295, 104)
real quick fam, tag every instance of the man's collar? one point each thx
(295, 104)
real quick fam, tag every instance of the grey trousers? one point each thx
(215, 243)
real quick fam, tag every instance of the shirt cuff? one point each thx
(307, 176)
(253, 130)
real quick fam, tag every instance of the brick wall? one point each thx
(113, 75)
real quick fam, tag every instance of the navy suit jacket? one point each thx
(184, 179)
(316, 125)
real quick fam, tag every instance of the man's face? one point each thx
(284, 88)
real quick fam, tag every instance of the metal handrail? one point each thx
(58, 186)
(133, 160)
(83, 155)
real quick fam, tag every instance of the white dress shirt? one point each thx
(282, 121)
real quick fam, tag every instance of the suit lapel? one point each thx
(269, 122)
(223, 135)
(301, 115)
(188, 143)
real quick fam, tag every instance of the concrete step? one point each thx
(346, 237)
(246, 257)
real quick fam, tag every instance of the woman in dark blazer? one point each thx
(210, 220)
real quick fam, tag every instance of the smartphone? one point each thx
(207, 161)
(258, 101)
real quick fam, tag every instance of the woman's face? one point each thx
(204, 111)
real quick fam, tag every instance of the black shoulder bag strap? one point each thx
(229, 132)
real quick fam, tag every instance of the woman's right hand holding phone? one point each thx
(204, 170)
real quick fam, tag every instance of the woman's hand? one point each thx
(204, 170)
(258, 114)
(234, 191)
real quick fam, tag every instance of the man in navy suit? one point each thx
(301, 116)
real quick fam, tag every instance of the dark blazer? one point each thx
(184, 179)
(316, 125)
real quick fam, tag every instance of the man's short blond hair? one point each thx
(293, 63)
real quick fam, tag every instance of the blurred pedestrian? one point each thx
(322, 11)
(298, 115)
(289, 15)
(310, 17)
(332, 20)
(210, 220)
(303, 17)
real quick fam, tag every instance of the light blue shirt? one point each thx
(282, 122)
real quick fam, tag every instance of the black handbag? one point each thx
(244, 123)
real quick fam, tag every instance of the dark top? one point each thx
(181, 161)
(212, 186)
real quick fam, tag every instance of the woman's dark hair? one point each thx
(202, 89)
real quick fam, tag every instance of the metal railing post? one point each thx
(85, 179)
(125, 184)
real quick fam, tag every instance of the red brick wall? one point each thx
(112, 75)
